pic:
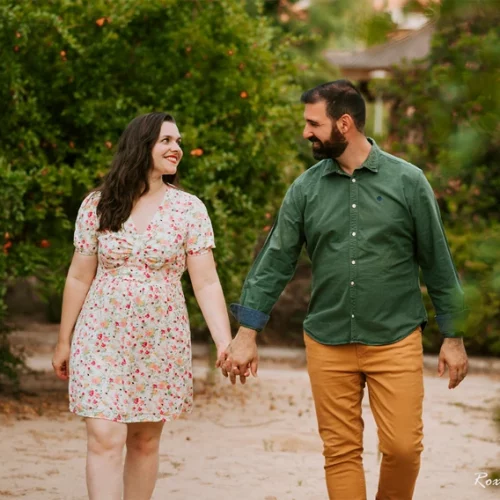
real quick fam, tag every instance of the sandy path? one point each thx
(257, 442)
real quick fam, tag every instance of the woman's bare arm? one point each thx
(210, 297)
(80, 276)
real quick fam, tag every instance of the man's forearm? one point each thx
(247, 332)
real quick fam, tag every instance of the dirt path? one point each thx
(253, 442)
(257, 442)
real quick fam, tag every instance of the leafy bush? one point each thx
(73, 74)
(445, 120)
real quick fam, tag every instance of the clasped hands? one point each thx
(240, 358)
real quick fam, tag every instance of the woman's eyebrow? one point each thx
(170, 137)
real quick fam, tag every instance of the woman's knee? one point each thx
(144, 442)
(106, 437)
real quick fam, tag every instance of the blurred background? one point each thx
(74, 73)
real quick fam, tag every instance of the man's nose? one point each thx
(306, 133)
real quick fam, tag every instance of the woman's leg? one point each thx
(105, 442)
(142, 460)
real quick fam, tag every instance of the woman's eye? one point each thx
(166, 140)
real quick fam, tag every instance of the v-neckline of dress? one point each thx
(157, 211)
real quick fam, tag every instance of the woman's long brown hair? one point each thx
(127, 179)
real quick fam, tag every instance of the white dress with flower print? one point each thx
(131, 349)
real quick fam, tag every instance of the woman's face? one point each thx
(167, 152)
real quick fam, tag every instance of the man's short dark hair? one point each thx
(341, 97)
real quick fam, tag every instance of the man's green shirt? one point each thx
(367, 236)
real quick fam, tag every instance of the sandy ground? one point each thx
(253, 442)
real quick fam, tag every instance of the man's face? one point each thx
(327, 140)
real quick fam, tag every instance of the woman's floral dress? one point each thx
(131, 349)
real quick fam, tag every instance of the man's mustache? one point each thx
(314, 140)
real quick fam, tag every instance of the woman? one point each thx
(129, 361)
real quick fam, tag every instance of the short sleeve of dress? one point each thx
(200, 235)
(85, 236)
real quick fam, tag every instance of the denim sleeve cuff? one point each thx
(250, 318)
(452, 324)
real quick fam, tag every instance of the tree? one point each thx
(73, 74)
(445, 120)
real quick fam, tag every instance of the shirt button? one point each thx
(354, 234)
(352, 283)
(352, 315)
(354, 205)
(353, 262)
(354, 180)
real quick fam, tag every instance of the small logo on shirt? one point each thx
(379, 198)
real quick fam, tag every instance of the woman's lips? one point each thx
(172, 158)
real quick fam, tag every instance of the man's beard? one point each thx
(332, 148)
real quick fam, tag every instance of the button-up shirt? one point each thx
(367, 235)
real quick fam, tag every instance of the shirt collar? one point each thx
(371, 162)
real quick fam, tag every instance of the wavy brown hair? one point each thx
(127, 179)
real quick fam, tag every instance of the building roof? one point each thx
(415, 45)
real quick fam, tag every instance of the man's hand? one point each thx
(241, 357)
(453, 355)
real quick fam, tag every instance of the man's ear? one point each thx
(345, 123)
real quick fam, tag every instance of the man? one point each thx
(369, 221)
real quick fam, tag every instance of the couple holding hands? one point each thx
(369, 222)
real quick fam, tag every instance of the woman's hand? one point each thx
(60, 360)
(222, 353)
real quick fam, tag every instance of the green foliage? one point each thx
(376, 28)
(309, 32)
(10, 363)
(341, 24)
(14, 185)
(74, 73)
(429, 8)
(445, 120)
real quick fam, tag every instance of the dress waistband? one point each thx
(142, 276)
